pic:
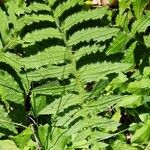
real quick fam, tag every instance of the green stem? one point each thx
(73, 61)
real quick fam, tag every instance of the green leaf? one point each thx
(142, 135)
(139, 6)
(55, 139)
(139, 87)
(122, 145)
(129, 54)
(117, 115)
(23, 138)
(146, 72)
(38, 103)
(61, 104)
(30, 19)
(79, 139)
(103, 103)
(72, 64)
(31, 145)
(4, 30)
(148, 146)
(119, 83)
(35, 7)
(54, 88)
(140, 25)
(87, 50)
(39, 35)
(99, 145)
(83, 16)
(5, 122)
(147, 40)
(65, 6)
(123, 5)
(49, 56)
(59, 139)
(118, 44)
(50, 72)
(94, 72)
(8, 145)
(96, 34)
(10, 90)
(131, 101)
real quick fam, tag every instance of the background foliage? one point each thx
(73, 76)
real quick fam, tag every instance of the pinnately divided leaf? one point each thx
(74, 76)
